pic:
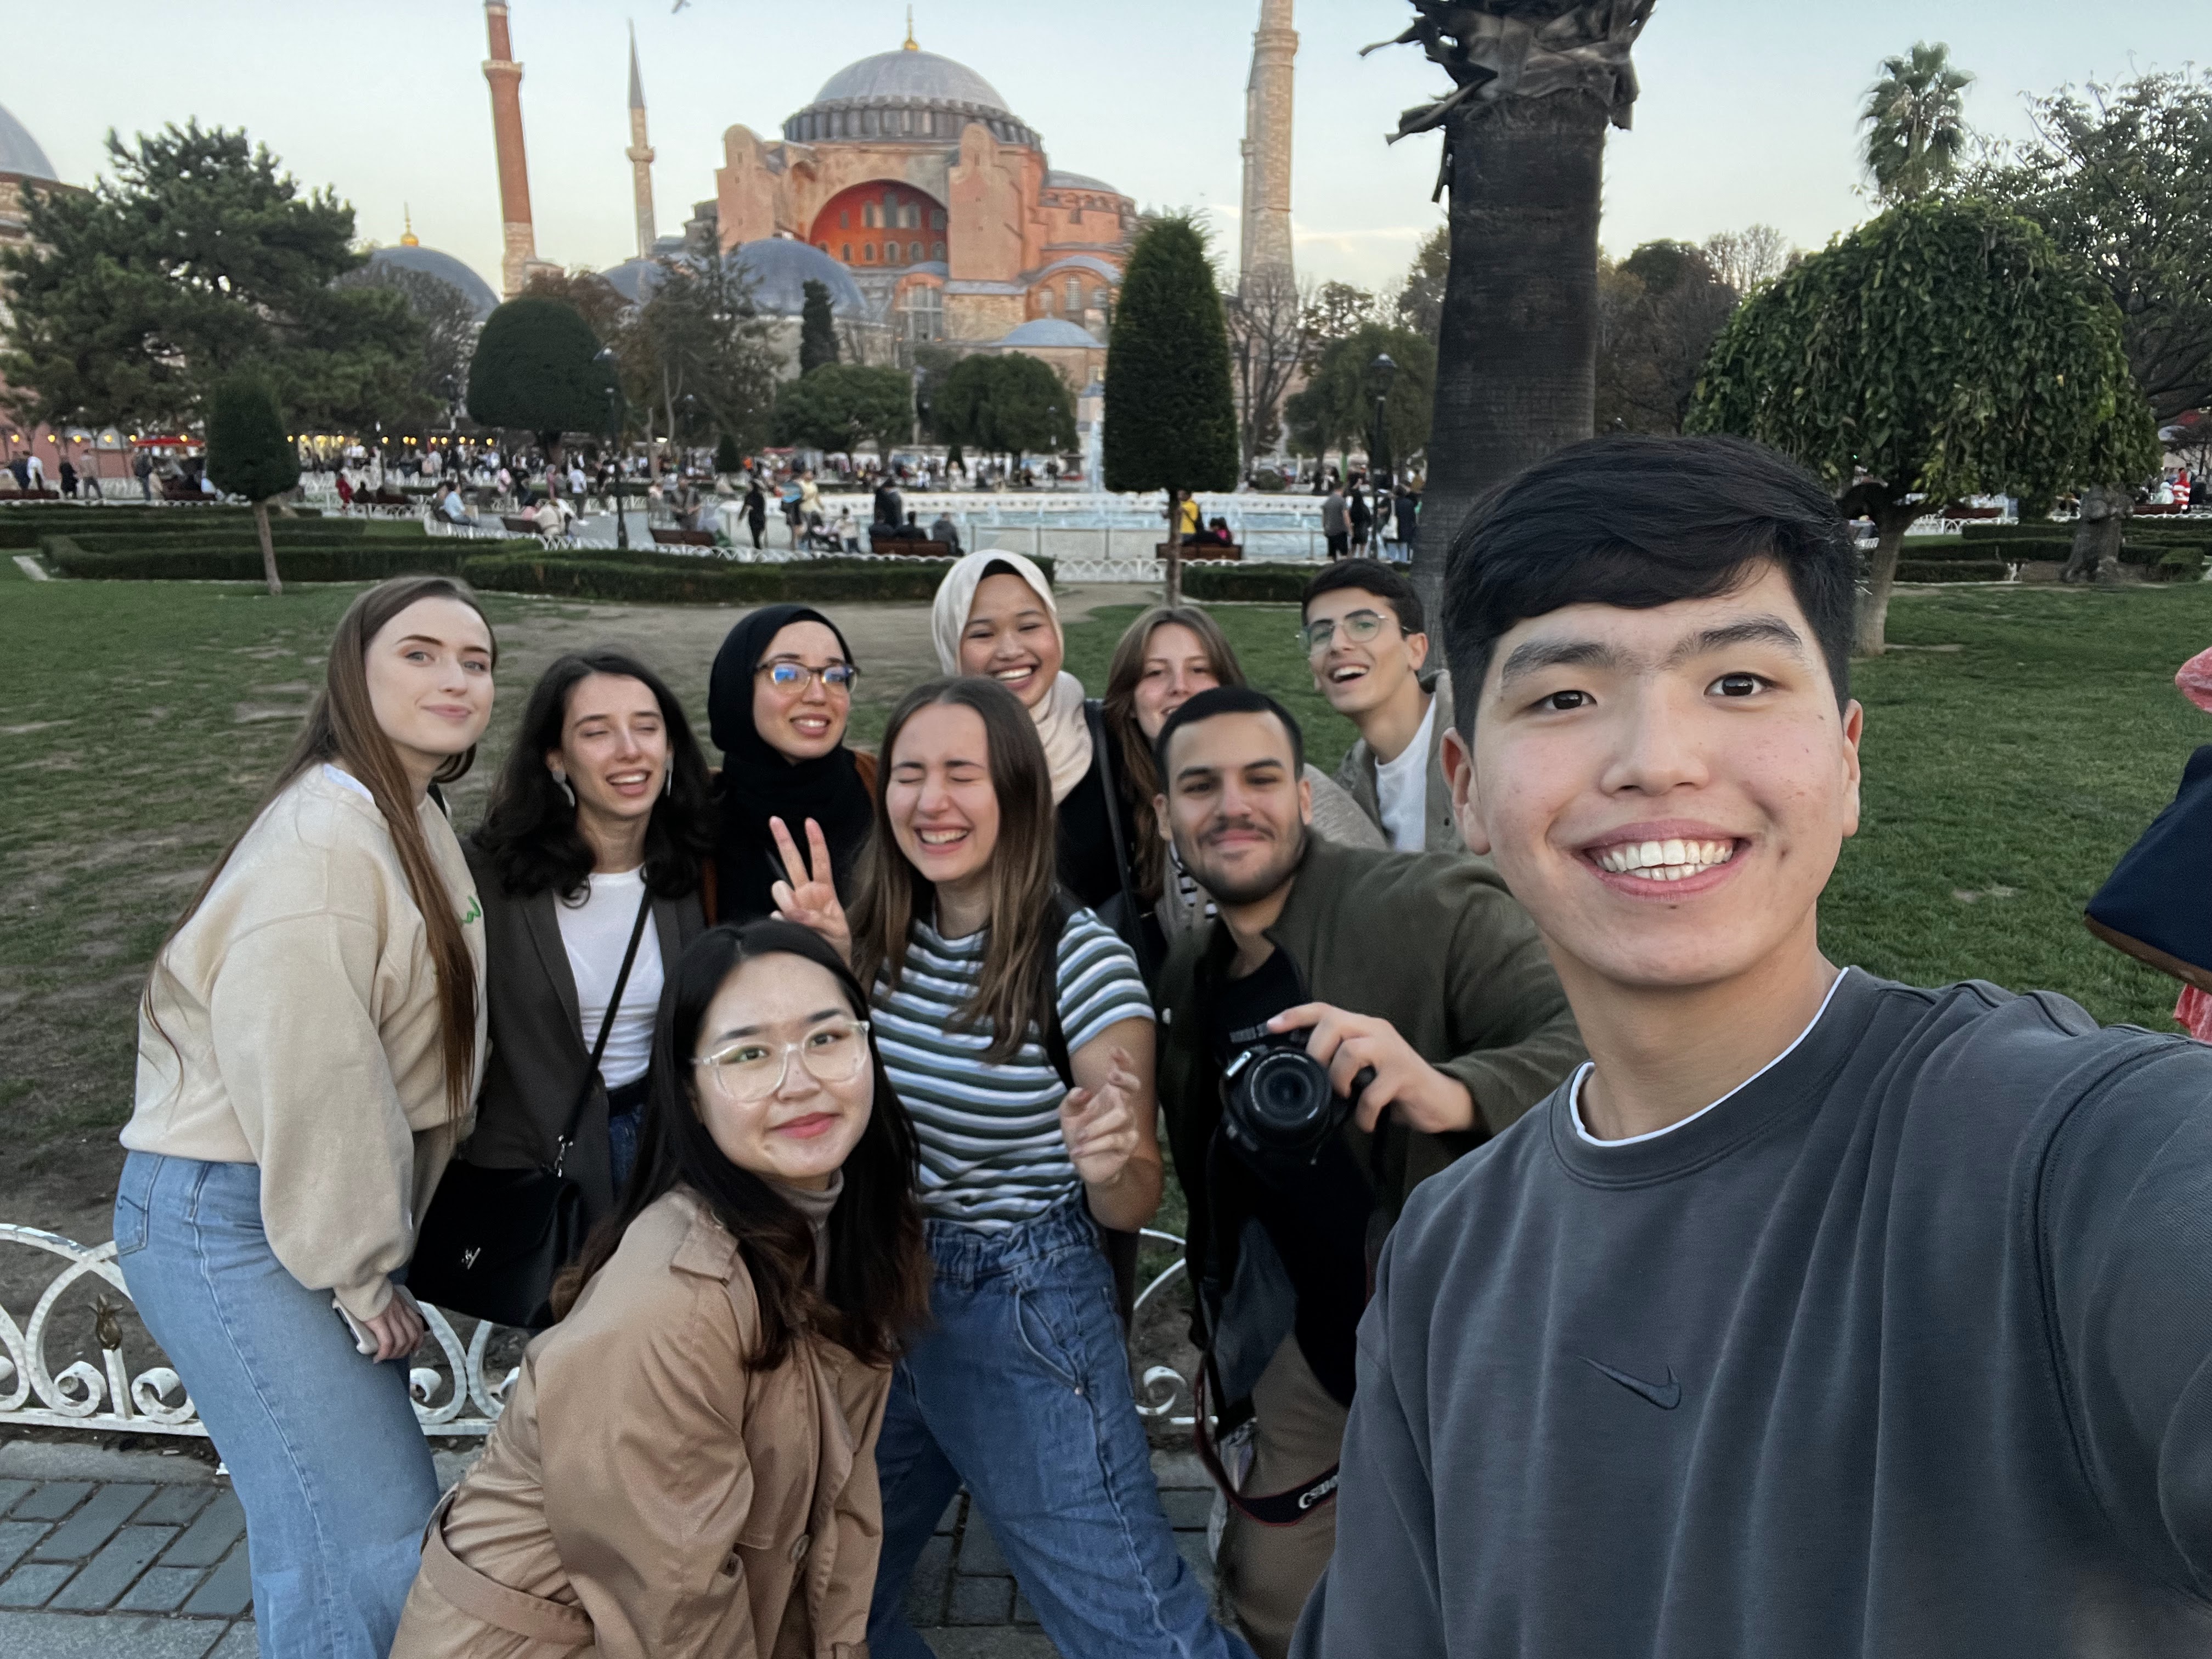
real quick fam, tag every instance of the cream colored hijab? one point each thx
(1060, 721)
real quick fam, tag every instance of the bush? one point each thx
(220, 536)
(20, 527)
(241, 561)
(1952, 570)
(2180, 564)
(1269, 479)
(1264, 584)
(701, 581)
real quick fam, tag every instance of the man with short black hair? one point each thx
(1817, 1314)
(1418, 990)
(1368, 646)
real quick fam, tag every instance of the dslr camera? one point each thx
(1278, 1100)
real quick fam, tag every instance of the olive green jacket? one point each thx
(1429, 941)
(1356, 775)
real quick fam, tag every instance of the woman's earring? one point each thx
(668, 781)
(561, 782)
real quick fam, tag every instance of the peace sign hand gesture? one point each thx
(809, 896)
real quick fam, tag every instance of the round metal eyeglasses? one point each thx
(1360, 626)
(793, 675)
(753, 1068)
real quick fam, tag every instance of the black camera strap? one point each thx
(1281, 1509)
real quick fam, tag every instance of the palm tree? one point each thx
(1535, 82)
(1916, 129)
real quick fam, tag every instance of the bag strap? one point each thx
(607, 1026)
(1279, 1509)
(1053, 1033)
(1103, 746)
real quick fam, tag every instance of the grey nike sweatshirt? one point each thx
(1903, 1350)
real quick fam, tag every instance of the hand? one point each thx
(1348, 1044)
(1100, 1125)
(809, 897)
(399, 1329)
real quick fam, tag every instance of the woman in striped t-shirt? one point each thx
(991, 996)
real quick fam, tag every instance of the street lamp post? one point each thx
(1380, 374)
(605, 359)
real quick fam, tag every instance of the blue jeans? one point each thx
(1020, 1389)
(323, 1444)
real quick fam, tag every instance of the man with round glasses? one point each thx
(1367, 644)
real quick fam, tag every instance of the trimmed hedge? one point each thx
(700, 581)
(242, 561)
(1952, 570)
(225, 536)
(1264, 583)
(22, 526)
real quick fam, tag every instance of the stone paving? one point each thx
(142, 1555)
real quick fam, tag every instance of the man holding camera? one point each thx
(1353, 1020)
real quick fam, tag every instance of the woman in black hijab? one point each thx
(777, 703)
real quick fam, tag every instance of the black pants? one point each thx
(1340, 543)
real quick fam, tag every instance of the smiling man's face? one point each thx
(1666, 790)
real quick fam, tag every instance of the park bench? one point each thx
(1202, 550)
(185, 494)
(522, 526)
(894, 547)
(30, 495)
(681, 538)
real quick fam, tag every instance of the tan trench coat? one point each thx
(645, 1493)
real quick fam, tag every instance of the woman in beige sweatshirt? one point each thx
(307, 1047)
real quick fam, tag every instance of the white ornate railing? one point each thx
(453, 1394)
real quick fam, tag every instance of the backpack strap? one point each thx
(1053, 1033)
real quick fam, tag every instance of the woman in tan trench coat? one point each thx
(686, 1464)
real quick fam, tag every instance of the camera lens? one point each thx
(1288, 1091)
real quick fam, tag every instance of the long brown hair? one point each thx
(1140, 777)
(342, 726)
(877, 1289)
(891, 893)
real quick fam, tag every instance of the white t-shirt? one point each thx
(1401, 789)
(596, 933)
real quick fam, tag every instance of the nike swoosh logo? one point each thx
(1665, 1395)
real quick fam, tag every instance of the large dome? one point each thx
(780, 268)
(20, 152)
(908, 95)
(445, 267)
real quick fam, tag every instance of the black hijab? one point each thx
(760, 782)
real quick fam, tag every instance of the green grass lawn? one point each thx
(138, 722)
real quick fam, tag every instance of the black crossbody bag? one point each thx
(494, 1239)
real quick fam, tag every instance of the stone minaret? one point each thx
(640, 155)
(1267, 221)
(519, 251)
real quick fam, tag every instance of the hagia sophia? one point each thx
(907, 186)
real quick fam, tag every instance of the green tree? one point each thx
(1915, 122)
(197, 258)
(1535, 84)
(535, 370)
(1420, 301)
(697, 336)
(1659, 310)
(2121, 177)
(249, 453)
(1170, 415)
(727, 458)
(1335, 407)
(817, 328)
(1003, 404)
(1942, 349)
(449, 338)
(840, 406)
(1335, 311)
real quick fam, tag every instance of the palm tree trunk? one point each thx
(1517, 355)
(268, 548)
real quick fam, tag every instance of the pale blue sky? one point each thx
(1747, 113)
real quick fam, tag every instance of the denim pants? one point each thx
(323, 1444)
(1020, 1389)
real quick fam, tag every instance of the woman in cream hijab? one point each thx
(994, 619)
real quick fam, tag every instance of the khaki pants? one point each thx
(1267, 1572)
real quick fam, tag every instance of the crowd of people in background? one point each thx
(1579, 1261)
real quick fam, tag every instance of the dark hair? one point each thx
(1370, 576)
(1024, 870)
(1638, 523)
(1229, 699)
(529, 829)
(878, 1283)
(341, 725)
(1140, 778)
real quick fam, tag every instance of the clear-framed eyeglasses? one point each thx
(793, 675)
(753, 1068)
(1360, 626)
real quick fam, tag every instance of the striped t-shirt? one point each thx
(992, 1155)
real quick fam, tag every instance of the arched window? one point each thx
(867, 124)
(914, 252)
(868, 214)
(890, 253)
(1075, 213)
(937, 250)
(910, 216)
(867, 253)
(1100, 299)
(847, 256)
(844, 218)
(1074, 294)
(936, 218)
(1044, 301)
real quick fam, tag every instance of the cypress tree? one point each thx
(249, 453)
(817, 329)
(1170, 416)
(726, 458)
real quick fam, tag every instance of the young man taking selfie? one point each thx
(1368, 648)
(1352, 1021)
(1818, 1315)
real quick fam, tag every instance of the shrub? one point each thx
(2180, 564)
(1270, 584)
(701, 581)
(1952, 570)
(241, 561)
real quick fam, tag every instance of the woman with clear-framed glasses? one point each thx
(686, 1460)
(778, 702)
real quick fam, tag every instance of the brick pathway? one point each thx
(135, 1555)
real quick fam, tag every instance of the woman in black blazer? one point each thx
(600, 813)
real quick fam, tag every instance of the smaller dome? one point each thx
(1050, 332)
(445, 267)
(781, 266)
(20, 152)
(1056, 180)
